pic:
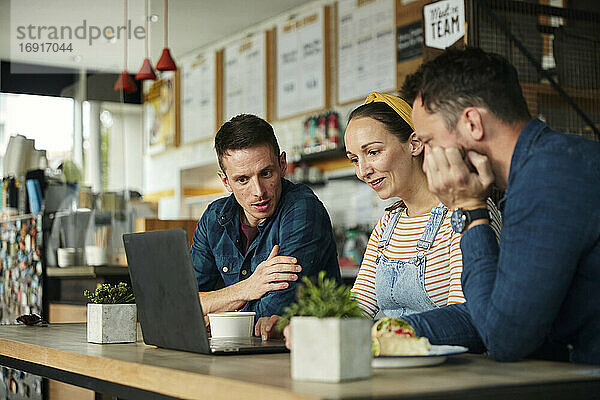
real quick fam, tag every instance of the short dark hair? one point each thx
(387, 116)
(244, 131)
(468, 77)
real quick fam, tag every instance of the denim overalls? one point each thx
(400, 285)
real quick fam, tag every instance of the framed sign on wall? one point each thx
(302, 68)
(162, 113)
(199, 99)
(366, 48)
(245, 77)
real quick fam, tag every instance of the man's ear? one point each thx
(416, 145)
(224, 180)
(283, 164)
(473, 123)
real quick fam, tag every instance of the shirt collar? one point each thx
(528, 135)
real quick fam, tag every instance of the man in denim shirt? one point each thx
(536, 292)
(263, 237)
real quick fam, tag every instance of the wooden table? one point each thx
(61, 352)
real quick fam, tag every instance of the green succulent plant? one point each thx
(322, 299)
(107, 293)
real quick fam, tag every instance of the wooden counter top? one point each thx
(188, 375)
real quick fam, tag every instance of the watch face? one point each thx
(458, 220)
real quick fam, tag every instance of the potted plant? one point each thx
(331, 339)
(111, 314)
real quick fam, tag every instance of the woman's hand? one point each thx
(266, 327)
(287, 335)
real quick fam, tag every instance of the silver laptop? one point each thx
(166, 293)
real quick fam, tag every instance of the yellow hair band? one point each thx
(402, 108)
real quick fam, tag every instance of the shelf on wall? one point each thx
(86, 271)
(548, 89)
(349, 272)
(338, 152)
(341, 174)
(19, 217)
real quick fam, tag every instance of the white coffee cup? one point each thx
(232, 324)
(68, 256)
(96, 255)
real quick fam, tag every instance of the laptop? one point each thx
(166, 293)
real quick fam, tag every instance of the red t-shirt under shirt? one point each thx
(249, 233)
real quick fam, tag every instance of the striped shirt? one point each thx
(444, 259)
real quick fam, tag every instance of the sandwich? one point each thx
(395, 337)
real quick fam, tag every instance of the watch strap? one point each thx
(474, 215)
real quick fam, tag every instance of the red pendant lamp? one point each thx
(166, 63)
(146, 72)
(125, 83)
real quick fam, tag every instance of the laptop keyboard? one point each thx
(235, 342)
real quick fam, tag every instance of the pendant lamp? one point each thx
(166, 63)
(125, 83)
(146, 72)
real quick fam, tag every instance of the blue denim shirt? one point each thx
(301, 227)
(541, 283)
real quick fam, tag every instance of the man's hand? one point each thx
(266, 327)
(455, 184)
(272, 274)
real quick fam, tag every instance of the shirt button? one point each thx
(244, 272)
(225, 269)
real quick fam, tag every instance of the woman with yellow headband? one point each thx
(413, 261)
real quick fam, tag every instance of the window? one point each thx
(48, 120)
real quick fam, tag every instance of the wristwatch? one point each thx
(462, 218)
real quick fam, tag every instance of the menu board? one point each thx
(199, 98)
(366, 49)
(301, 64)
(245, 77)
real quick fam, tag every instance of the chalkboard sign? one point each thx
(410, 41)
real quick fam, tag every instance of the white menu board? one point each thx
(199, 106)
(301, 64)
(244, 84)
(366, 48)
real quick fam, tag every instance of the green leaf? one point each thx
(107, 293)
(321, 299)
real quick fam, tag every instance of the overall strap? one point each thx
(438, 213)
(395, 213)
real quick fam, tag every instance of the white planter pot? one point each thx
(111, 323)
(330, 349)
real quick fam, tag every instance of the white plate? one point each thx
(437, 355)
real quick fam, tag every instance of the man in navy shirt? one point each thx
(534, 293)
(266, 235)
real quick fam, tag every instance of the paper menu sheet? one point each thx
(199, 98)
(245, 77)
(366, 48)
(301, 64)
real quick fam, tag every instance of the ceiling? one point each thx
(193, 24)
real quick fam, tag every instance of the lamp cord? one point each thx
(166, 23)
